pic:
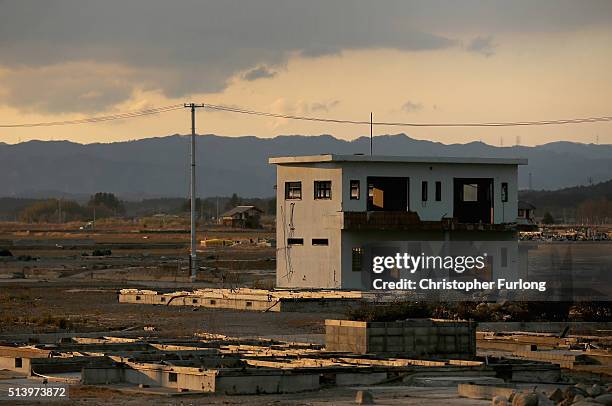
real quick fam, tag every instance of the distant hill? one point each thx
(157, 167)
(571, 195)
(579, 203)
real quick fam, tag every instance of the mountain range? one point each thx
(158, 167)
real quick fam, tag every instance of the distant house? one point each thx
(525, 214)
(242, 217)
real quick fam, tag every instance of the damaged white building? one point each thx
(330, 206)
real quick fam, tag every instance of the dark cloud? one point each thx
(482, 45)
(260, 72)
(78, 87)
(192, 46)
(410, 107)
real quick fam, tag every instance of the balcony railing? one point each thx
(410, 221)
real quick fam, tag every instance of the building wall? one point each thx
(353, 239)
(8, 363)
(418, 172)
(308, 266)
(411, 338)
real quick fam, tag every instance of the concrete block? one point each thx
(420, 331)
(476, 391)
(351, 379)
(364, 397)
(395, 341)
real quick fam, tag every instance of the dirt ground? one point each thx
(52, 283)
(51, 308)
(387, 395)
(61, 279)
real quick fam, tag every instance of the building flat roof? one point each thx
(396, 159)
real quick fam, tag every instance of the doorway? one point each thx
(387, 193)
(473, 200)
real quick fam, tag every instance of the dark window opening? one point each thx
(355, 190)
(504, 257)
(18, 363)
(424, 191)
(249, 304)
(322, 189)
(295, 241)
(293, 190)
(172, 377)
(357, 259)
(504, 191)
(438, 191)
(473, 202)
(163, 299)
(137, 297)
(387, 194)
(320, 241)
(213, 302)
(194, 301)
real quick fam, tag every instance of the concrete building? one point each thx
(330, 206)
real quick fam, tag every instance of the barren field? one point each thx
(53, 283)
(56, 282)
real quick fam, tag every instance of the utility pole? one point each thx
(192, 257)
(371, 132)
(530, 182)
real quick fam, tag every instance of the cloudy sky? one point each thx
(410, 61)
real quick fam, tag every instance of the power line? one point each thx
(409, 124)
(230, 109)
(97, 119)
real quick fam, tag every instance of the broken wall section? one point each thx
(431, 338)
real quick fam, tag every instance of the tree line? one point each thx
(581, 204)
(100, 205)
(105, 205)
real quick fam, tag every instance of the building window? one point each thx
(293, 190)
(194, 301)
(172, 377)
(470, 192)
(295, 241)
(320, 241)
(354, 190)
(424, 191)
(438, 191)
(18, 363)
(504, 257)
(504, 191)
(322, 189)
(357, 259)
